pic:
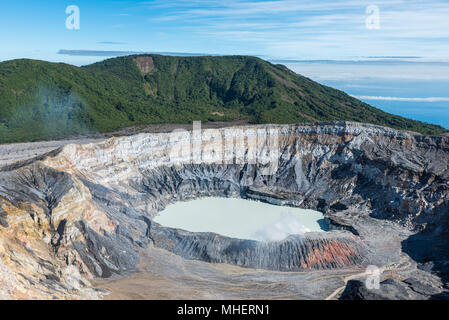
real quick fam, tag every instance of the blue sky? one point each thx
(284, 29)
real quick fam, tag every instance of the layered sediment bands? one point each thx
(295, 253)
(84, 211)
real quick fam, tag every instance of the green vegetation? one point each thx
(41, 100)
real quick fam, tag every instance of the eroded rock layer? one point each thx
(84, 211)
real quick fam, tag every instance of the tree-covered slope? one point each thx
(41, 100)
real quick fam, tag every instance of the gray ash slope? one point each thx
(84, 211)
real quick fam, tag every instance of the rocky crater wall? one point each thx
(90, 207)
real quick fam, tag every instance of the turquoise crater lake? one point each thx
(242, 219)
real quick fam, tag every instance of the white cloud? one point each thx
(364, 70)
(292, 28)
(287, 224)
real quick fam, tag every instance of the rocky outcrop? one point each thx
(296, 253)
(414, 288)
(85, 210)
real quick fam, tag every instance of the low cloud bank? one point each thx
(118, 53)
(428, 99)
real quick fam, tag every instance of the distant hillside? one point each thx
(41, 100)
